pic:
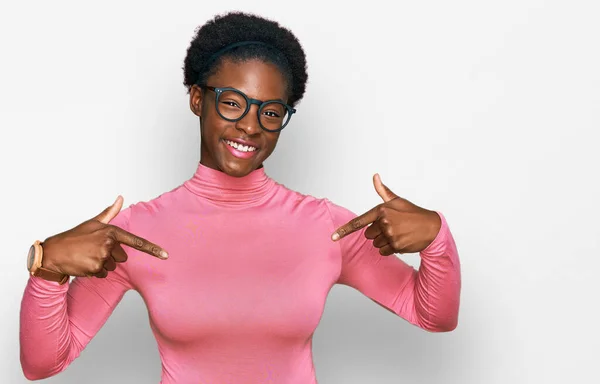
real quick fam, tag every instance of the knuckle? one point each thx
(155, 250)
(109, 242)
(356, 223)
(97, 267)
(111, 231)
(388, 231)
(104, 253)
(137, 242)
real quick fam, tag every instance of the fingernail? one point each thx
(335, 236)
(164, 254)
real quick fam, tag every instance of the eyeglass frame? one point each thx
(249, 101)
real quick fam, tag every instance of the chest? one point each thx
(239, 275)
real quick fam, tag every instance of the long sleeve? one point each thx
(58, 321)
(428, 298)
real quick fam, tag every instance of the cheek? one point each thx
(272, 139)
(211, 122)
(211, 126)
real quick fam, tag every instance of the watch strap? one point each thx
(42, 272)
(47, 274)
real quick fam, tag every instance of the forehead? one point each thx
(255, 78)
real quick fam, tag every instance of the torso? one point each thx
(243, 287)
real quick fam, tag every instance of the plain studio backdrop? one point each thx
(486, 111)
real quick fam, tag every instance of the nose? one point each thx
(249, 123)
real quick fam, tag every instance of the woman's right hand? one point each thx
(93, 248)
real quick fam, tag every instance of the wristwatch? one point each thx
(34, 265)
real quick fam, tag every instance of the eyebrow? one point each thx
(261, 100)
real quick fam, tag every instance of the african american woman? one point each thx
(258, 290)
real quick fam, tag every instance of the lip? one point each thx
(240, 154)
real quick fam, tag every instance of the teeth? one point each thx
(240, 147)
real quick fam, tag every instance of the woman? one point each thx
(235, 268)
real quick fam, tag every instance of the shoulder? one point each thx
(152, 208)
(298, 200)
(301, 202)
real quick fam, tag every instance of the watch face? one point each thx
(30, 257)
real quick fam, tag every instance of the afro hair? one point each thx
(279, 47)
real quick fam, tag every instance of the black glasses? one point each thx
(232, 105)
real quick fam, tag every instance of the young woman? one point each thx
(235, 268)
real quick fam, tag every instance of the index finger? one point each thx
(355, 224)
(139, 243)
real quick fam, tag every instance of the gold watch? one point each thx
(34, 265)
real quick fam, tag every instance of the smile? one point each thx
(240, 147)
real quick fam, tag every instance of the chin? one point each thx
(237, 168)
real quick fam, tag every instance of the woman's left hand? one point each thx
(396, 225)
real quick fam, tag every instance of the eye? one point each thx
(230, 103)
(271, 114)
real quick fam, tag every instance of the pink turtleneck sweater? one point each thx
(250, 266)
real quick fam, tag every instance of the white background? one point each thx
(486, 111)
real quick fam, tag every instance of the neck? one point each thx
(227, 190)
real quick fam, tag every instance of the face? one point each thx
(258, 80)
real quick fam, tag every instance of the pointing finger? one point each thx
(384, 192)
(355, 224)
(110, 212)
(127, 238)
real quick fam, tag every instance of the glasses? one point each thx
(232, 105)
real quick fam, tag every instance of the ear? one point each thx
(196, 99)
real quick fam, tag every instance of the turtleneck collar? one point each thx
(220, 187)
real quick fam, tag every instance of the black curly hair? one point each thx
(280, 47)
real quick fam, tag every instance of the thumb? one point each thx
(110, 212)
(384, 192)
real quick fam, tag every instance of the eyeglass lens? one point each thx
(272, 116)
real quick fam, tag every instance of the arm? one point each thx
(58, 321)
(428, 298)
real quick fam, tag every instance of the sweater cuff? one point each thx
(46, 286)
(438, 245)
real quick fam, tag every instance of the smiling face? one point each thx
(237, 148)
